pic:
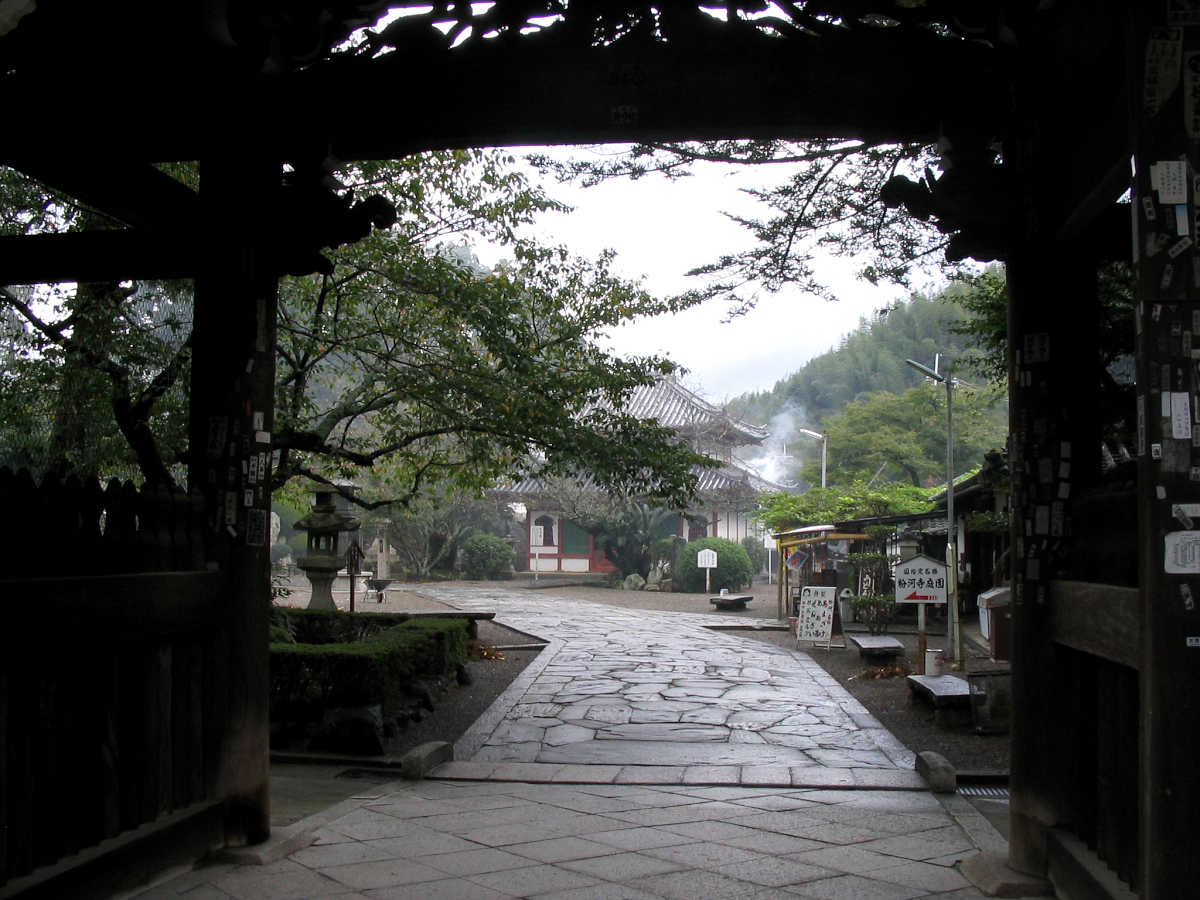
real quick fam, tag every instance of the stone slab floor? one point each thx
(456, 839)
(642, 755)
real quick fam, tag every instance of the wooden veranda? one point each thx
(1106, 676)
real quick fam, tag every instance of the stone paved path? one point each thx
(630, 761)
(635, 696)
(456, 840)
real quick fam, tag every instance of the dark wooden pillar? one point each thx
(232, 401)
(1168, 320)
(1054, 448)
(1055, 425)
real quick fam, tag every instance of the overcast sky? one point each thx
(661, 229)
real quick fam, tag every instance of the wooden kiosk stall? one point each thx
(809, 552)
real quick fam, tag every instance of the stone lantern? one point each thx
(323, 559)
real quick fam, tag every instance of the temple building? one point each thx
(553, 542)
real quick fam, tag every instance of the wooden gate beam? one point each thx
(861, 86)
(97, 256)
(135, 194)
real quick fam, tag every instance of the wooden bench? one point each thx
(875, 646)
(731, 601)
(949, 696)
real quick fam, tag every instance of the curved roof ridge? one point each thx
(678, 407)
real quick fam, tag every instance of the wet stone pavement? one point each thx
(650, 697)
(450, 840)
(642, 755)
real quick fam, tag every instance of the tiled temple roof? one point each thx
(672, 405)
(728, 479)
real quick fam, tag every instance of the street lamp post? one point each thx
(824, 439)
(951, 543)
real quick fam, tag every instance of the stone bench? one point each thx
(731, 601)
(949, 696)
(875, 646)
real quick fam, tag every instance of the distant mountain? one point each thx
(867, 360)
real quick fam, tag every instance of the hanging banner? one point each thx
(796, 560)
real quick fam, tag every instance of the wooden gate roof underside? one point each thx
(95, 94)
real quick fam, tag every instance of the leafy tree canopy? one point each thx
(782, 511)
(406, 359)
(903, 436)
(428, 532)
(832, 196)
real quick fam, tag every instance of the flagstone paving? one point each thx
(641, 755)
(639, 696)
(456, 839)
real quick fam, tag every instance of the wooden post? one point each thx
(921, 639)
(1168, 328)
(1053, 443)
(231, 420)
(782, 591)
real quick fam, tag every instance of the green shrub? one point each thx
(486, 556)
(756, 551)
(733, 570)
(332, 626)
(309, 678)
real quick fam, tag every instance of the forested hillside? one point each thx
(868, 360)
(884, 422)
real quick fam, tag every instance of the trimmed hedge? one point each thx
(308, 678)
(332, 626)
(733, 570)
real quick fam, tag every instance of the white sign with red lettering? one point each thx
(920, 580)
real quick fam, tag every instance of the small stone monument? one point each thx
(323, 560)
(383, 571)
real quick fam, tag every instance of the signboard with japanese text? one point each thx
(706, 559)
(815, 612)
(920, 580)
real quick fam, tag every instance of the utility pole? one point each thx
(951, 543)
(824, 439)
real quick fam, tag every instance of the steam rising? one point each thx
(782, 455)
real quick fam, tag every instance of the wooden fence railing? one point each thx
(76, 527)
(109, 721)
